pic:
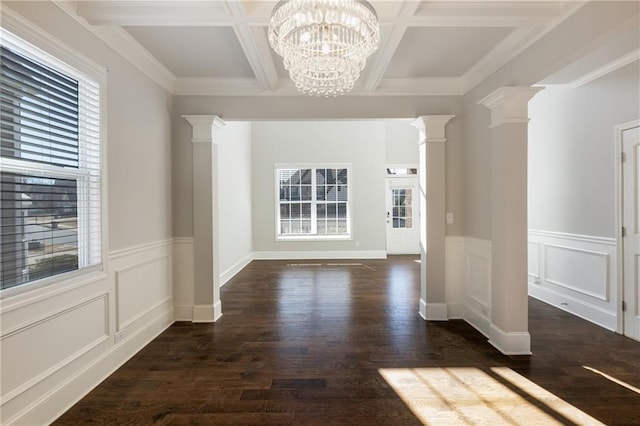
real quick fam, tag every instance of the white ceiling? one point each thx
(220, 47)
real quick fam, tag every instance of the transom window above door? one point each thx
(312, 202)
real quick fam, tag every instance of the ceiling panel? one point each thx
(442, 52)
(205, 52)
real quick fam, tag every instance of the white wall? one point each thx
(572, 152)
(401, 142)
(235, 219)
(574, 163)
(359, 143)
(567, 43)
(59, 341)
(572, 157)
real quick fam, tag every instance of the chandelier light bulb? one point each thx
(324, 43)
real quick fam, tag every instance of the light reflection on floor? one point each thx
(469, 396)
(613, 379)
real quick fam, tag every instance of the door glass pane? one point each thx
(402, 208)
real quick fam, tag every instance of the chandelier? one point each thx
(324, 43)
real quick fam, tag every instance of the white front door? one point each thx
(631, 223)
(403, 226)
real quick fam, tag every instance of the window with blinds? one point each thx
(313, 202)
(50, 176)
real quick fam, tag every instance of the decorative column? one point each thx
(433, 303)
(206, 294)
(509, 305)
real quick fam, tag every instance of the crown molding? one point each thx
(284, 87)
(436, 86)
(217, 87)
(612, 66)
(127, 46)
(242, 18)
(15, 23)
(162, 13)
(513, 45)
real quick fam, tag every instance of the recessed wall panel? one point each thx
(43, 347)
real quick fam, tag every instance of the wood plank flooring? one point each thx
(341, 343)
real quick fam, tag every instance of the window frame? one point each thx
(313, 237)
(29, 40)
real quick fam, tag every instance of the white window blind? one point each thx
(50, 166)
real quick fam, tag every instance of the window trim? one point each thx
(312, 237)
(69, 61)
(401, 166)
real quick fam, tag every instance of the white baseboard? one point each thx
(54, 404)
(518, 343)
(183, 313)
(436, 312)
(477, 320)
(235, 268)
(217, 311)
(302, 255)
(433, 311)
(207, 313)
(422, 311)
(574, 306)
(455, 310)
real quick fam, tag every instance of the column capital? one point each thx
(204, 126)
(431, 127)
(509, 104)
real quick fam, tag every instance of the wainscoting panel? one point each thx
(59, 341)
(455, 276)
(534, 260)
(478, 280)
(140, 288)
(35, 351)
(183, 278)
(575, 273)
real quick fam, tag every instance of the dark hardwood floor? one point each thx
(341, 343)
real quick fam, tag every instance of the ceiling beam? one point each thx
(485, 14)
(255, 46)
(153, 13)
(389, 45)
(122, 42)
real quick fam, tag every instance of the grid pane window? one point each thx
(49, 168)
(313, 202)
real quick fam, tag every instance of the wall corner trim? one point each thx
(422, 310)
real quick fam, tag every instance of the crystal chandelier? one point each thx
(324, 43)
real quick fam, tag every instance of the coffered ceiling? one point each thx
(220, 47)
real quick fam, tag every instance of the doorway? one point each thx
(628, 136)
(402, 221)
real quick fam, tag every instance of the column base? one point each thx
(513, 343)
(433, 311)
(207, 313)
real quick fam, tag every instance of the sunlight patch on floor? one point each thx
(613, 379)
(470, 396)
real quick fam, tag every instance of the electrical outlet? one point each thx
(449, 218)
(357, 243)
(119, 336)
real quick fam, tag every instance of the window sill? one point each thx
(305, 238)
(15, 297)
